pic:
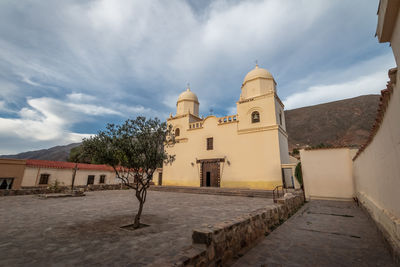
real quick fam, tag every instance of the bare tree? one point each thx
(134, 150)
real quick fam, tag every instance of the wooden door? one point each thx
(210, 174)
(160, 178)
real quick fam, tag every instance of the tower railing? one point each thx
(228, 119)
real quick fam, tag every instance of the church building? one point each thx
(244, 150)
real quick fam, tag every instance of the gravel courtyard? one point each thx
(86, 230)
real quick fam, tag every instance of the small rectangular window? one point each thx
(90, 179)
(102, 179)
(210, 145)
(44, 178)
(280, 118)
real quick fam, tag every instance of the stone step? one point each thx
(215, 191)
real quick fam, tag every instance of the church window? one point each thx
(177, 132)
(210, 143)
(44, 178)
(255, 117)
(280, 118)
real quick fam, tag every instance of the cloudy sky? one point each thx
(69, 67)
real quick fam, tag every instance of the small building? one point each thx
(41, 173)
(244, 150)
(11, 173)
(30, 173)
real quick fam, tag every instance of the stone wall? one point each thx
(218, 244)
(60, 189)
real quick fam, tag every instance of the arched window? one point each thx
(255, 117)
(177, 132)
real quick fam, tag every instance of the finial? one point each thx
(256, 63)
(188, 86)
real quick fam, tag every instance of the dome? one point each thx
(188, 95)
(257, 73)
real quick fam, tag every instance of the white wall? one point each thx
(377, 173)
(327, 173)
(377, 168)
(64, 176)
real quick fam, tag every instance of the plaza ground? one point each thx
(86, 230)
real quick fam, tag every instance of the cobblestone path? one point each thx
(86, 230)
(322, 233)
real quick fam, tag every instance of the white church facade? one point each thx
(245, 150)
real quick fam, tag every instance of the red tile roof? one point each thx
(66, 165)
(331, 147)
(383, 105)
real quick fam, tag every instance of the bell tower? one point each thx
(257, 82)
(187, 103)
(259, 106)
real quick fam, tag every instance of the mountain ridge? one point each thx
(338, 123)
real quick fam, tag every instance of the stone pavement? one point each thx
(322, 233)
(86, 230)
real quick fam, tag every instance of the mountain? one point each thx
(343, 122)
(57, 153)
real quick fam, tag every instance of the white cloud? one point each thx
(48, 119)
(80, 97)
(360, 79)
(371, 84)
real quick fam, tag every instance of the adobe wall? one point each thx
(377, 173)
(64, 176)
(12, 168)
(327, 173)
(377, 166)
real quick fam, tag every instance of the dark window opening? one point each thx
(6, 183)
(177, 132)
(90, 179)
(208, 179)
(210, 143)
(255, 117)
(102, 179)
(280, 118)
(44, 179)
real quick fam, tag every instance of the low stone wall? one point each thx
(61, 189)
(218, 244)
(387, 224)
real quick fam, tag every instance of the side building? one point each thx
(245, 150)
(30, 173)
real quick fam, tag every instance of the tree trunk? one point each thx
(136, 223)
(73, 176)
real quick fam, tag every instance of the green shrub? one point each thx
(299, 174)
